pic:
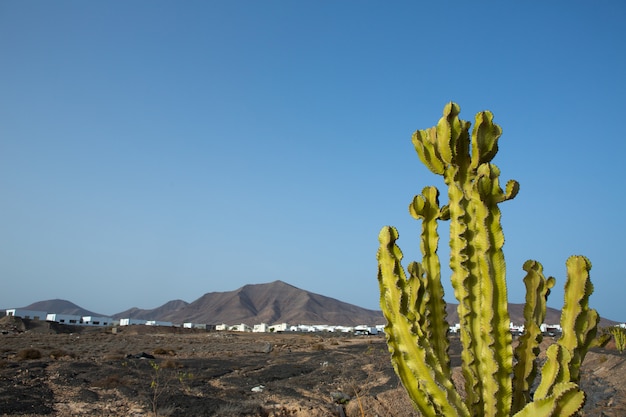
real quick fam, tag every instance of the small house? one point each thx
(65, 318)
(240, 328)
(131, 322)
(26, 314)
(261, 328)
(97, 321)
(281, 327)
(158, 323)
(202, 326)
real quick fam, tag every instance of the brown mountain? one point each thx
(61, 307)
(271, 303)
(279, 302)
(275, 302)
(169, 308)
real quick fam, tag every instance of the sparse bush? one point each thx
(111, 381)
(160, 383)
(163, 351)
(113, 357)
(170, 364)
(241, 408)
(28, 353)
(60, 353)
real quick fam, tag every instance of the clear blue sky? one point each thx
(159, 150)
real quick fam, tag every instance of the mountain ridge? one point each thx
(60, 306)
(271, 303)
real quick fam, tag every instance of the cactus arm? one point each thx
(426, 207)
(578, 321)
(527, 350)
(554, 371)
(485, 137)
(413, 358)
(565, 402)
(453, 137)
(579, 326)
(416, 293)
(424, 142)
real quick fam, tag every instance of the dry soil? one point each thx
(54, 370)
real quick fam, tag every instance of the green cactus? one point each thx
(619, 335)
(414, 306)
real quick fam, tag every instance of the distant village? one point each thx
(77, 320)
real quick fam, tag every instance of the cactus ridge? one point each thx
(415, 308)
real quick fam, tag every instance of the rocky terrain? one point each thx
(54, 370)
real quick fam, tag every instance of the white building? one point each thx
(194, 326)
(97, 321)
(364, 329)
(303, 328)
(261, 328)
(281, 327)
(26, 314)
(343, 329)
(65, 318)
(455, 328)
(515, 329)
(130, 322)
(159, 323)
(222, 326)
(240, 328)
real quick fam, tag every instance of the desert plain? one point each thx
(48, 369)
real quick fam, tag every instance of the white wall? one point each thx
(64, 318)
(97, 321)
(26, 314)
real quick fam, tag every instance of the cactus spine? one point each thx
(415, 308)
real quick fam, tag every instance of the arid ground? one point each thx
(52, 370)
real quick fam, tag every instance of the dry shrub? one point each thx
(28, 353)
(241, 408)
(3, 363)
(170, 364)
(60, 353)
(113, 357)
(110, 381)
(163, 351)
(318, 346)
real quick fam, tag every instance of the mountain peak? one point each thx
(273, 302)
(60, 306)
